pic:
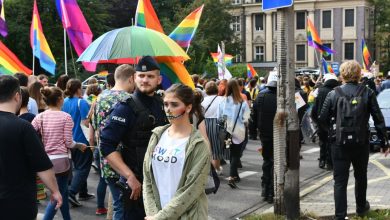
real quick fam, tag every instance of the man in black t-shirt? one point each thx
(22, 157)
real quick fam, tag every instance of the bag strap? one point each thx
(238, 114)
(360, 91)
(210, 104)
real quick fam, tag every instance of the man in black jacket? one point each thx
(325, 153)
(344, 153)
(263, 114)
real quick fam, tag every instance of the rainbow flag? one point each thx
(175, 72)
(250, 71)
(9, 63)
(314, 40)
(184, 33)
(77, 28)
(327, 67)
(38, 42)
(3, 25)
(146, 17)
(366, 55)
(228, 58)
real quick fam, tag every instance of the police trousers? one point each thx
(268, 165)
(343, 157)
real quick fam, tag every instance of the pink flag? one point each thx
(77, 28)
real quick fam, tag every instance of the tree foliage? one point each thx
(103, 16)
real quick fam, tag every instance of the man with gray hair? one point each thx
(351, 106)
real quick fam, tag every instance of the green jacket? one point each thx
(190, 201)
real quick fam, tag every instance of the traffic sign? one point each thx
(275, 4)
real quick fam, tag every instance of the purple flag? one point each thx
(77, 27)
(3, 25)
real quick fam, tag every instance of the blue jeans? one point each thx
(82, 162)
(50, 211)
(116, 200)
(102, 186)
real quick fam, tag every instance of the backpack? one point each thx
(350, 113)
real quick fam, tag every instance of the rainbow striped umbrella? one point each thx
(132, 42)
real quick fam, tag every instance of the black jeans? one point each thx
(235, 154)
(325, 149)
(268, 165)
(343, 157)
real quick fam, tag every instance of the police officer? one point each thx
(130, 127)
(263, 114)
(352, 148)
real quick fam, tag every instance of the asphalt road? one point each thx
(227, 203)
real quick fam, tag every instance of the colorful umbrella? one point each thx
(131, 42)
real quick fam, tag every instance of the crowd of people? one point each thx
(154, 149)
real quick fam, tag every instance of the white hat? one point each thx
(272, 79)
(329, 76)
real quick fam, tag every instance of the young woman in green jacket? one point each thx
(177, 163)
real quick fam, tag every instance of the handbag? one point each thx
(84, 128)
(213, 181)
(223, 135)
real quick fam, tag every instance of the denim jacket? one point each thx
(230, 109)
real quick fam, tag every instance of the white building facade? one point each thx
(341, 24)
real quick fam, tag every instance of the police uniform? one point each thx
(130, 127)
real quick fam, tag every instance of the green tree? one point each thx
(382, 32)
(19, 16)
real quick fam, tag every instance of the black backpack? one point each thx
(351, 111)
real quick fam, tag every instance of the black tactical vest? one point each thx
(136, 141)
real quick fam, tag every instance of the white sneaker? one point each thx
(219, 171)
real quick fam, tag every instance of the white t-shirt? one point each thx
(167, 164)
(213, 110)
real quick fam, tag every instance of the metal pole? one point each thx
(65, 58)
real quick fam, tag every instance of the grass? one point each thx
(372, 215)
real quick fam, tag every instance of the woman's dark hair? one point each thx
(93, 89)
(35, 92)
(51, 95)
(188, 97)
(253, 83)
(72, 86)
(25, 96)
(62, 80)
(233, 89)
(110, 78)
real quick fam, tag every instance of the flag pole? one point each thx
(319, 63)
(33, 64)
(65, 59)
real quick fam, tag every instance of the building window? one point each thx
(259, 22)
(349, 51)
(275, 54)
(259, 53)
(301, 52)
(275, 20)
(236, 24)
(301, 20)
(236, 2)
(329, 57)
(258, 1)
(349, 18)
(327, 19)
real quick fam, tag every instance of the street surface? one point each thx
(227, 203)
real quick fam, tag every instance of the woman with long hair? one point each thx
(177, 163)
(35, 92)
(55, 127)
(210, 105)
(78, 108)
(235, 112)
